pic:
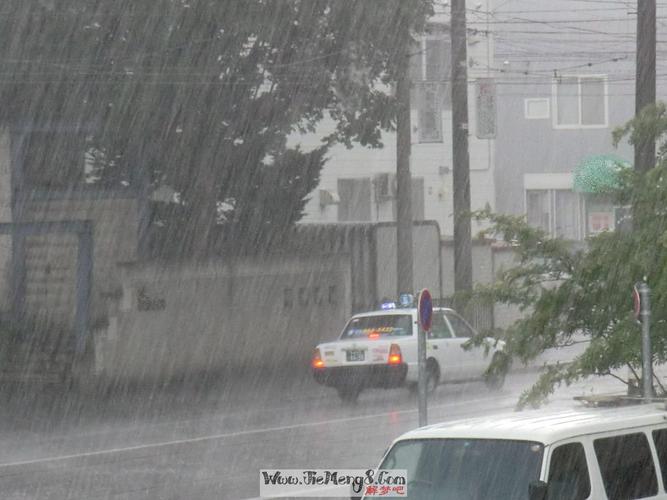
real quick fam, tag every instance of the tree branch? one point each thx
(616, 377)
(662, 387)
(633, 371)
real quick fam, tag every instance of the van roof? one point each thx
(545, 426)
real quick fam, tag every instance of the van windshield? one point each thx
(387, 325)
(471, 469)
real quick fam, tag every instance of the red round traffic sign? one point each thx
(425, 309)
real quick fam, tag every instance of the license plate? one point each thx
(355, 355)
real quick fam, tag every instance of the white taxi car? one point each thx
(379, 349)
(577, 454)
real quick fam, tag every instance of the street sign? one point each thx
(425, 309)
(486, 108)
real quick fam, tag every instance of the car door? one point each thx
(473, 361)
(445, 348)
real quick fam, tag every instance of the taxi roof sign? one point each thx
(406, 300)
(425, 309)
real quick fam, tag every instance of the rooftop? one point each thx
(397, 310)
(545, 426)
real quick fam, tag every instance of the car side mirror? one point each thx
(537, 490)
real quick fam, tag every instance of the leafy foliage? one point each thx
(201, 95)
(571, 294)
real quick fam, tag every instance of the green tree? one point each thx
(568, 292)
(202, 94)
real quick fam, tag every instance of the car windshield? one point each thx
(389, 325)
(471, 469)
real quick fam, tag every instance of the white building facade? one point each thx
(358, 184)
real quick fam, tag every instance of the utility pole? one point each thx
(404, 257)
(461, 167)
(647, 356)
(645, 78)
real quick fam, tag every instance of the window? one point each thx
(556, 211)
(439, 328)
(390, 325)
(430, 112)
(355, 199)
(430, 72)
(538, 209)
(565, 214)
(460, 327)
(600, 221)
(536, 108)
(568, 473)
(407, 454)
(461, 469)
(660, 441)
(626, 466)
(580, 101)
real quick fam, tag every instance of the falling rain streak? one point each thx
(215, 216)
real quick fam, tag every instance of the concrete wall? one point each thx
(174, 318)
(115, 237)
(182, 318)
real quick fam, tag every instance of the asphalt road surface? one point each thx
(194, 442)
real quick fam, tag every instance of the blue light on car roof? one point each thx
(388, 305)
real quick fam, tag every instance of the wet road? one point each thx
(194, 442)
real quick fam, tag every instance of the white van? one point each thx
(588, 453)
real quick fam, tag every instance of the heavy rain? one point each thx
(248, 242)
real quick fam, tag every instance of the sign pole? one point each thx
(421, 354)
(647, 359)
(425, 313)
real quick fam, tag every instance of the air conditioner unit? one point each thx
(385, 186)
(328, 198)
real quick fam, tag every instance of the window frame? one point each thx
(451, 314)
(450, 333)
(660, 471)
(551, 183)
(579, 124)
(422, 88)
(589, 465)
(647, 433)
(530, 100)
(580, 212)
